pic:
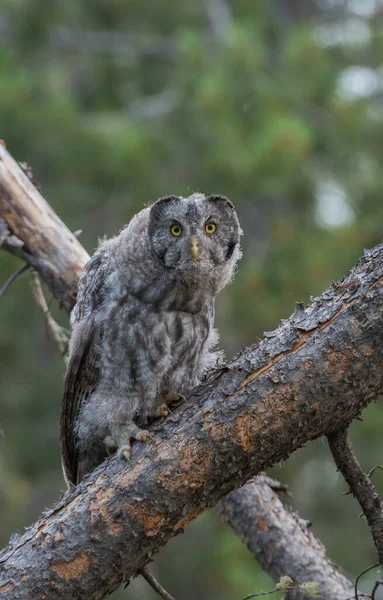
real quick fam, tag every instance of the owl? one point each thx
(143, 325)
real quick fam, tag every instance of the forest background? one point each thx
(277, 104)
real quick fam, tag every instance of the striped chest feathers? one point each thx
(188, 334)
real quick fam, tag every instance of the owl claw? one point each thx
(141, 436)
(175, 397)
(122, 437)
(162, 411)
(144, 436)
(110, 445)
(124, 452)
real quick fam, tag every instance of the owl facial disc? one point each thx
(195, 237)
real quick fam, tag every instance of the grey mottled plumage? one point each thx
(143, 323)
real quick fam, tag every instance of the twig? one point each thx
(304, 589)
(360, 485)
(260, 594)
(372, 471)
(10, 242)
(275, 485)
(155, 585)
(12, 279)
(54, 329)
(356, 595)
(374, 589)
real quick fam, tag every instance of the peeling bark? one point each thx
(308, 378)
(281, 541)
(32, 231)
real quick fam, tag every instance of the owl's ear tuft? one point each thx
(217, 198)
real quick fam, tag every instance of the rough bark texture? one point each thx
(308, 378)
(31, 230)
(360, 485)
(281, 541)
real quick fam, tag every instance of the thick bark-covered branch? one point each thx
(360, 485)
(310, 377)
(31, 230)
(281, 541)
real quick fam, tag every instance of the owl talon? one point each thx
(120, 439)
(144, 436)
(175, 398)
(110, 445)
(124, 452)
(141, 436)
(162, 411)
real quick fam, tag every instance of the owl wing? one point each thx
(84, 365)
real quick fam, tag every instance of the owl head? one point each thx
(198, 233)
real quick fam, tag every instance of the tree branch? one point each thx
(12, 278)
(280, 540)
(360, 485)
(33, 232)
(146, 574)
(270, 400)
(55, 331)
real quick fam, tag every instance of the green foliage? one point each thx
(117, 103)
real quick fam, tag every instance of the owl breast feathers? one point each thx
(143, 324)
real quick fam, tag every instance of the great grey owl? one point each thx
(143, 324)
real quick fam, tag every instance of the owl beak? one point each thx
(194, 246)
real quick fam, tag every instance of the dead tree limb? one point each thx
(281, 541)
(55, 331)
(13, 278)
(32, 231)
(360, 485)
(146, 574)
(308, 378)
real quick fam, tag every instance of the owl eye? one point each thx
(210, 227)
(176, 230)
